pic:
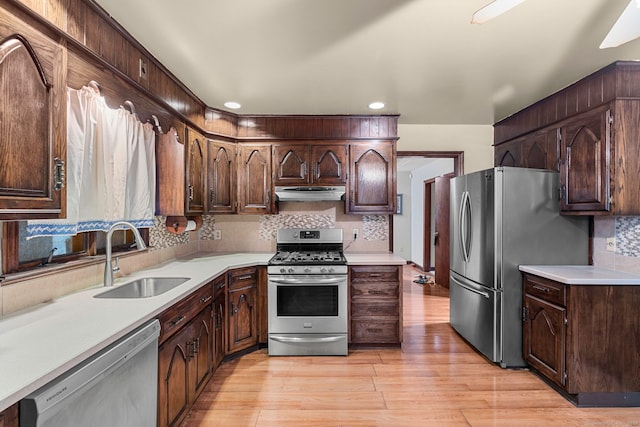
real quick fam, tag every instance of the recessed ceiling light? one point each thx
(376, 105)
(233, 105)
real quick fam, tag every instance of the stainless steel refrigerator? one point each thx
(502, 218)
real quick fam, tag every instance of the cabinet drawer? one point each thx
(242, 277)
(368, 308)
(374, 331)
(364, 273)
(545, 289)
(381, 289)
(174, 318)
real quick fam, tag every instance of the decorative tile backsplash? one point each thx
(628, 236)
(375, 227)
(269, 224)
(160, 237)
(208, 227)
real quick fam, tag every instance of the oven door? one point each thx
(313, 304)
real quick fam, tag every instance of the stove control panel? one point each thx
(307, 269)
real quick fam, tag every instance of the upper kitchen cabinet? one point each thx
(32, 124)
(372, 178)
(308, 164)
(588, 132)
(221, 177)
(170, 151)
(195, 172)
(254, 179)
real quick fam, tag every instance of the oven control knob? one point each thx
(323, 270)
(331, 269)
(291, 270)
(307, 269)
(283, 270)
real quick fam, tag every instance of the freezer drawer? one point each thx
(475, 314)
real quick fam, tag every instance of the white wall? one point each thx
(402, 223)
(475, 140)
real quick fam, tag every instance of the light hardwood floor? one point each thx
(436, 379)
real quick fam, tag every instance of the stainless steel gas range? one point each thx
(307, 294)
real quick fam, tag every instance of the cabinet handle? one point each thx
(191, 192)
(372, 292)
(541, 288)
(304, 169)
(196, 346)
(58, 174)
(220, 286)
(176, 321)
(205, 300)
(245, 277)
(212, 195)
(375, 274)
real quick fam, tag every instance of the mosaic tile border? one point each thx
(208, 228)
(628, 236)
(270, 224)
(375, 227)
(161, 238)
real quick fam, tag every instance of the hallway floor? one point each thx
(436, 379)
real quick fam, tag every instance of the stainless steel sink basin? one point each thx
(143, 288)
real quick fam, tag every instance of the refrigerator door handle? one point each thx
(470, 289)
(464, 220)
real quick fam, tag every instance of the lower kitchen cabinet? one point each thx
(584, 339)
(219, 319)
(185, 355)
(9, 417)
(243, 308)
(376, 304)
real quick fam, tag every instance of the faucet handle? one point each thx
(115, 268)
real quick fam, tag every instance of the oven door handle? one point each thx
(308, 281)
(281, 338)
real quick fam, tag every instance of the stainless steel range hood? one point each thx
(309, 194)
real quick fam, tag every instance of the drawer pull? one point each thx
(375, 275)
(372, 292)
(205, 300)
(541, 288)
(245, 277)
(374, 330)
(220, 286)
(177, 321)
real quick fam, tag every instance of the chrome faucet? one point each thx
(108, 267)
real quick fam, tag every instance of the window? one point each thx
(22, 254)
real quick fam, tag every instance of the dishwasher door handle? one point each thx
(281, 338)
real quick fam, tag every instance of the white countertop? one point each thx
(41, 343)
(374, 258)
(582, 274)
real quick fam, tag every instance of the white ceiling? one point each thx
(422, 58)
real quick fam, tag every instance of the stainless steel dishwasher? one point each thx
(115, 388)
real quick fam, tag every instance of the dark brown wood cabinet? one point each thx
(185, 355)
(221, 187)
(584, 339)
(585, 162)
(372, 178)
(376, 304)
(307, 164)
(255, 190)
(242, 321)
(9, 417)
(170, 173)
(195, 172)
(32, 125)
(588, 132)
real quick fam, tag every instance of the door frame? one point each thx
(458, 169)
(426, 225)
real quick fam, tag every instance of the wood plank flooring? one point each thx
(436, 379)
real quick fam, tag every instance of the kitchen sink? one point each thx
(143, 288)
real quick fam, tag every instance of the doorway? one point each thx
(429, 241)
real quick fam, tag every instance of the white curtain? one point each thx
(111, 168)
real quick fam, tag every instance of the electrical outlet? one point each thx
(611, 244)
(355, 233)
(217, 235)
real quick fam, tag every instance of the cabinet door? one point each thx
(221, 177)
(195, 172)
(201, 364)
(291, 164)
(544, 338)
(254, 179)
(32, 126)
(173, 379)
(541, 150)
(372, 178)
(584, 172)
(508, 153)
(242, 319)
(329, 164)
